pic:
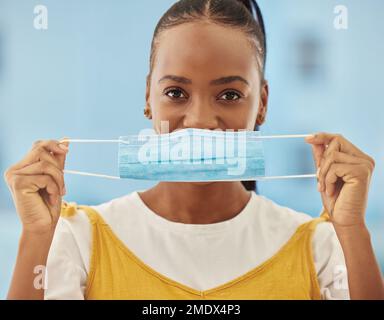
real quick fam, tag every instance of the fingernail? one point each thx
(319, 186)
(63, 146)
(318, 172)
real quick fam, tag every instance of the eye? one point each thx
(175, 93)
(230, 96)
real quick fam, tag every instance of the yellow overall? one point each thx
(117, 273)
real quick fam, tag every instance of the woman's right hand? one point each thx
(37, 185)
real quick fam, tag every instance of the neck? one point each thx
(197, 203)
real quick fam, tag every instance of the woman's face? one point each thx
(205, 76)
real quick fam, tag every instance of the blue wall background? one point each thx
(84, 77)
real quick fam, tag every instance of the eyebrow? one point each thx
(222, 80)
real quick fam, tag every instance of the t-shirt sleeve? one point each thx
(330, 263)
(66, 274)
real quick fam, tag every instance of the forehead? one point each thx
(206, 50)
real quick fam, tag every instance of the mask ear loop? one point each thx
(81, 173)
(91, 141)
(252, 179)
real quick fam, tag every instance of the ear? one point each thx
(263, 104)
(147, 109)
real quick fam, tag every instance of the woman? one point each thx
(217, 240)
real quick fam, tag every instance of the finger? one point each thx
(38, 148)
(44, 168)
(49, 157)
(335, 172)
(57, 149)
(346, 172)
(35, 183)
(61, 157)
(344, 144)
(52, 190)
(336, 157)
(333, 146)
(51, 145)
(317, 151)
(35, 158)
(57, 159)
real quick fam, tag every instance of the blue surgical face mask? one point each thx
(191, 155)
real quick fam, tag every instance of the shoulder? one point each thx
(276, 223)
(77, 216)
(326, 247)
(75, 222)
(119, 209)
(280, 222)
(329, 260)
(278, 218)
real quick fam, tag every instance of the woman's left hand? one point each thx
(344, 173)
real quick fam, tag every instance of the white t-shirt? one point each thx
(200, 256)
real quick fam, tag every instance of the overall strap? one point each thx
(69, 209)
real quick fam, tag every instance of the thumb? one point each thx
(318, 151)
(64, 143)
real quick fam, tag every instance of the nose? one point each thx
(201, 116)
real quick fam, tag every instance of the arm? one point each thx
(364, 275)
(37, 185)
(27, 280)
(62, 259)
(344, 174)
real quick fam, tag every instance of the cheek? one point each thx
(164, 115)
(252, 117)
(231, 117)
(164, 110)
(252, 113)
(242, 116)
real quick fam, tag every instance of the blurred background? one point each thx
(84, 77)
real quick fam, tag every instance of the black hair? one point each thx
(242, 14)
